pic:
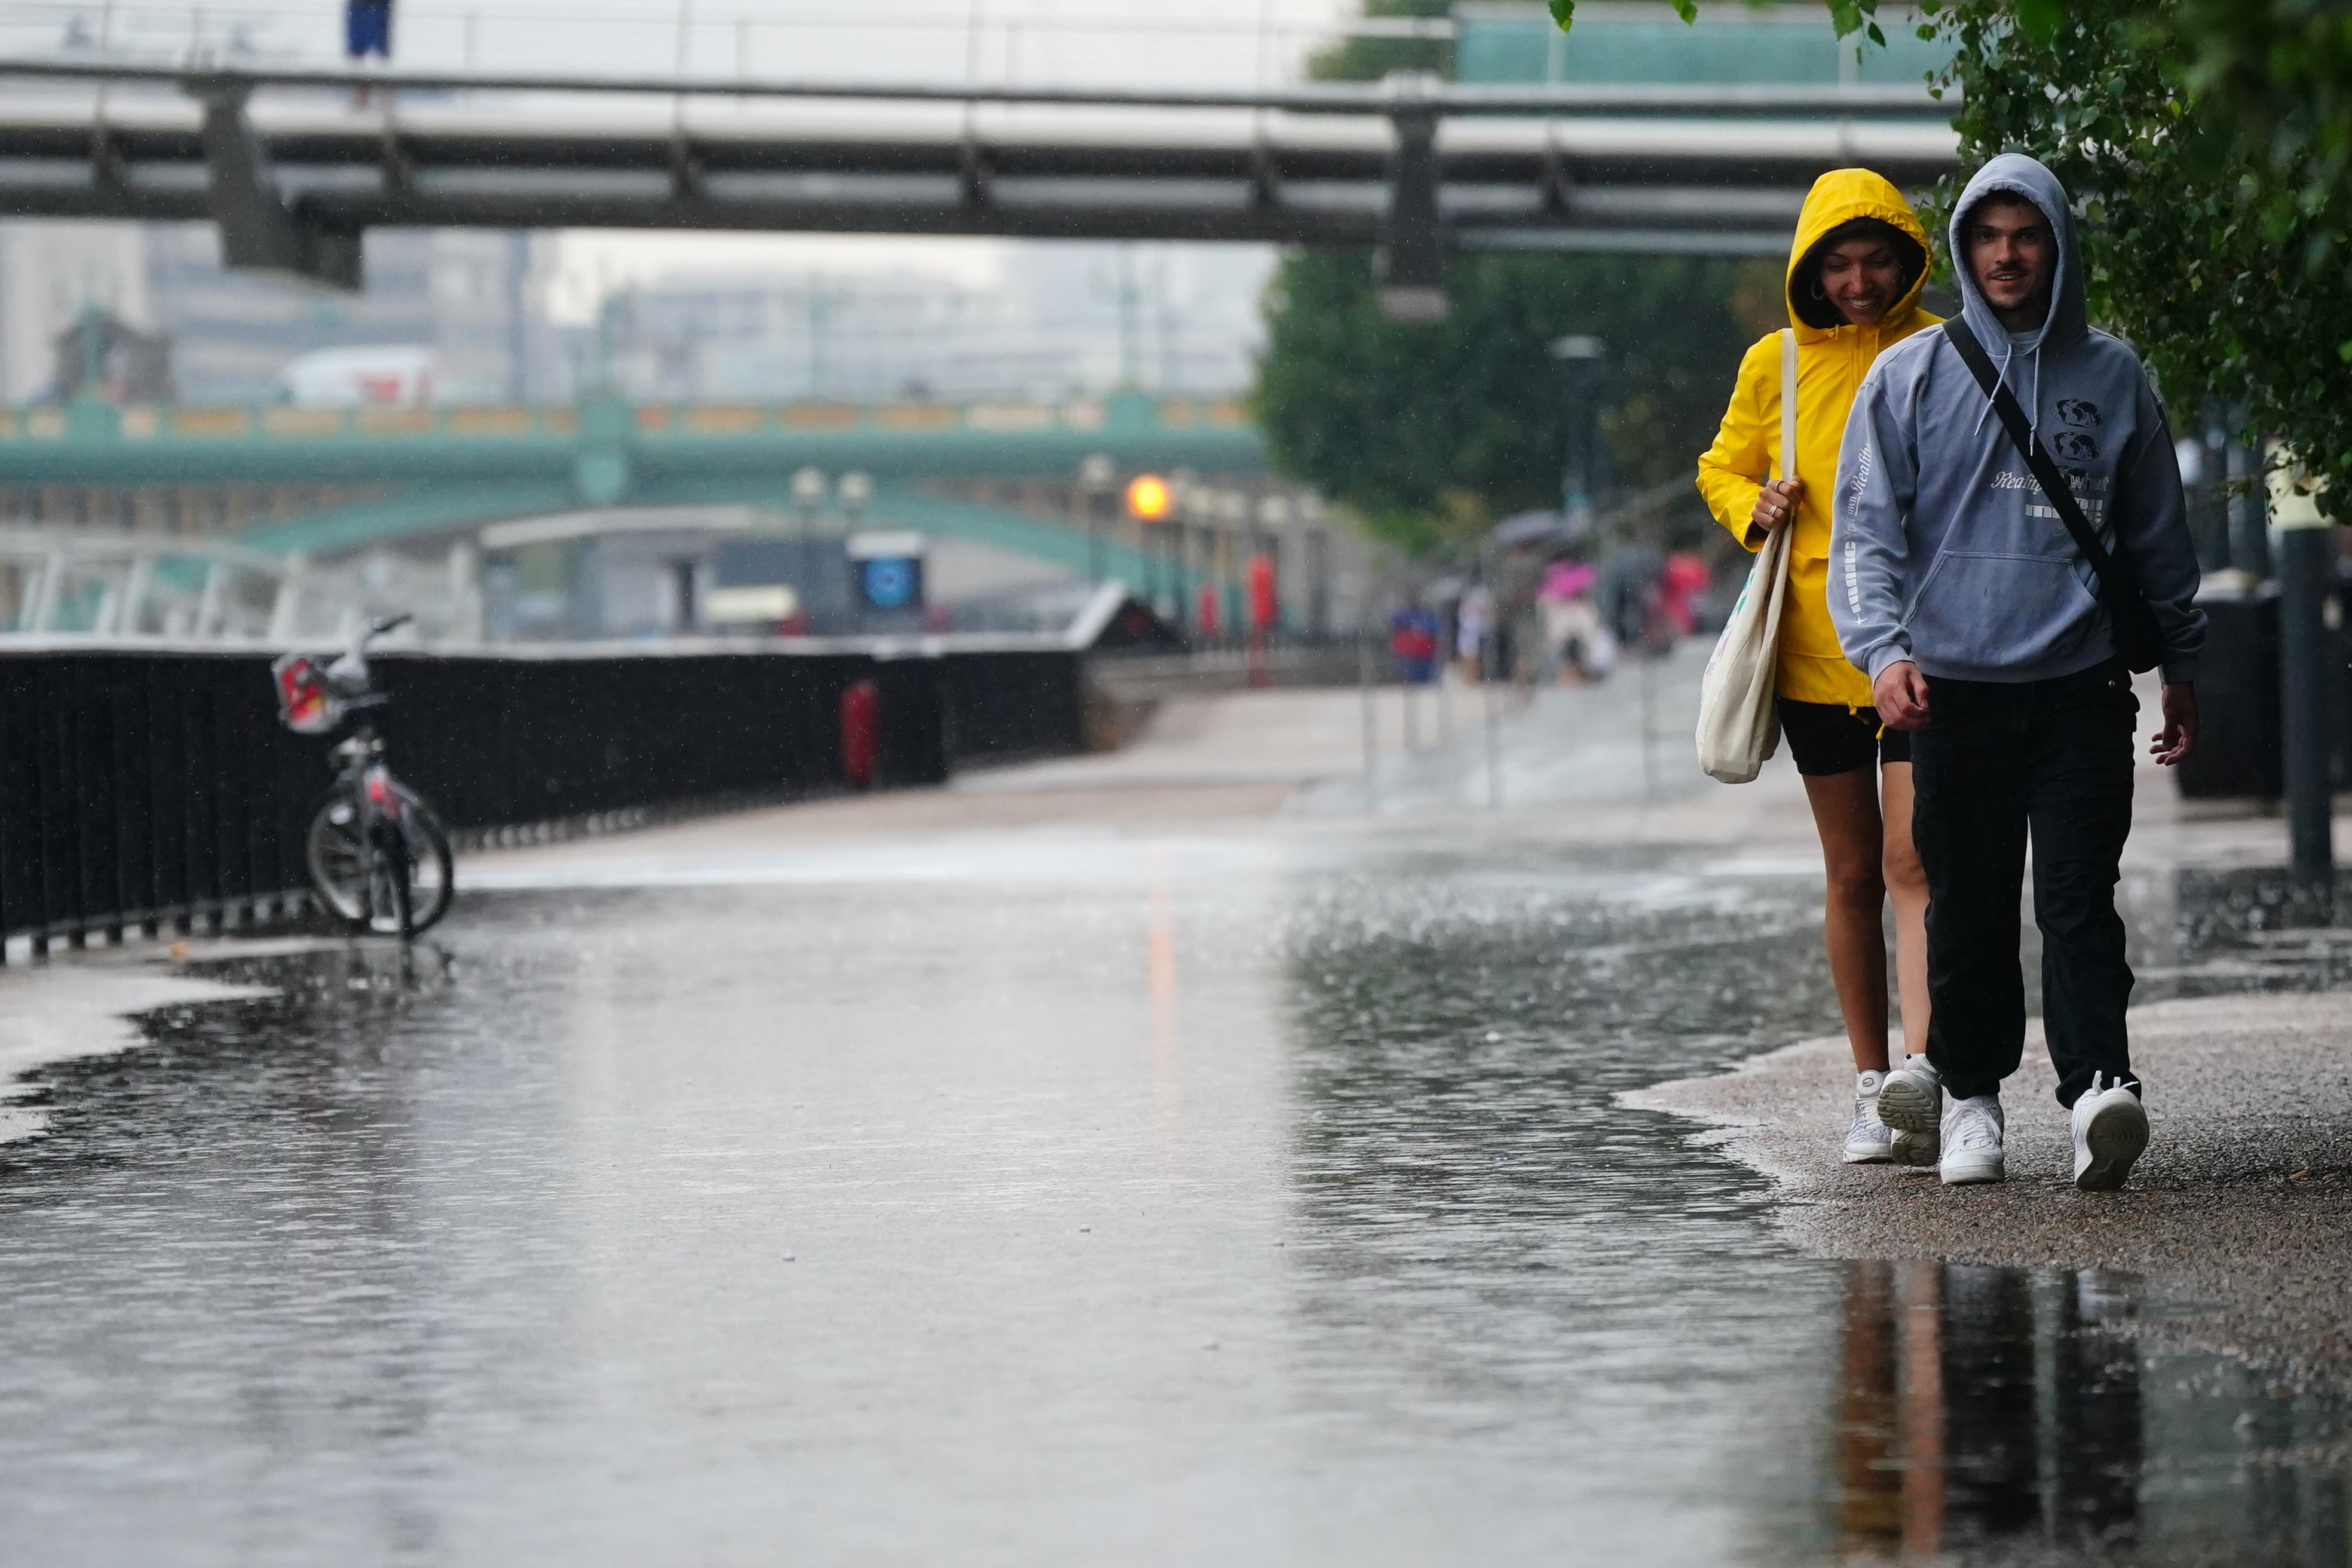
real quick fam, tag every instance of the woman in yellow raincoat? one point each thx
(1853, 282)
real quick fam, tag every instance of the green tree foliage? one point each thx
(2208, 143)
(1429, 433)
(1368, 60)
(2214, 222)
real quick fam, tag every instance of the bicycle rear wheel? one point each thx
(363, 892)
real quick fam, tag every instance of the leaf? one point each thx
(1686, 9)
(2038, 19)
(1876, 37)
(1564, 13)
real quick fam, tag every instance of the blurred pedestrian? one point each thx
(1853, 280)
(1413, 643)
(367, 30)
(367, 37)
(1578, 644)
(1474, 624)
(1978, 584)
(1684, 581)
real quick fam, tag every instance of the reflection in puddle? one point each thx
(1997, 1415)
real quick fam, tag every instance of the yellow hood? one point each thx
(1830, 364)
(1841, 196)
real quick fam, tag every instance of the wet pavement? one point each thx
(1251, 1191)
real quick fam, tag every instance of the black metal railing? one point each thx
(144, 789)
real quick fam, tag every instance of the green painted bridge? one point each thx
(328, 481)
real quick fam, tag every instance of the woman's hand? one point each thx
(1776, 503)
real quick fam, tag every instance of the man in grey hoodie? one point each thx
(1956, 588)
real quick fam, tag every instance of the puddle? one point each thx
(2006, 1415)
(1198, 1209)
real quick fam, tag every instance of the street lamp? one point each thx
(856, 493)
(1097, 482)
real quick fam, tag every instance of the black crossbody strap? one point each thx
(2139, 642)
(2112, 576)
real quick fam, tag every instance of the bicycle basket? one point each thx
(307, 702)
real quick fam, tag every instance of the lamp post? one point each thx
(1580, 356)
(1097, 478)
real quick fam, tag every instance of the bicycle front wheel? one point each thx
(357, 884)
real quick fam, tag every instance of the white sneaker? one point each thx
(1913, 1099)
(2110, 1132)
(1918, 1151)
(1972, 1133)
(1869, 1141)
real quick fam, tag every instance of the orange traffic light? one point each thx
(1148, 498)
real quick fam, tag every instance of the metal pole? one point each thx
(1487, 699)
(1372, 720)
(2307, 549)
(1649, 707)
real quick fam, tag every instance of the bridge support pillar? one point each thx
(1412, 242)
(257, 230)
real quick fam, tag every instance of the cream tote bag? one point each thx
(1738, 728)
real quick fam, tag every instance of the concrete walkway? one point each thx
(2242, 1203)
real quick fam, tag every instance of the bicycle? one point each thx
(377, 854)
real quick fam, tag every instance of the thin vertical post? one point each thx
(1486, 702)
(2306, 563)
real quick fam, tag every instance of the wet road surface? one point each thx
(1067, 1198)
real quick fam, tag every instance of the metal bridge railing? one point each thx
(998, 419)
(142, 789)
(132, 587)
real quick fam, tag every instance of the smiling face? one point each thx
(1863, 278)
(2012, 256)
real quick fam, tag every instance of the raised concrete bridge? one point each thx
(295, 171)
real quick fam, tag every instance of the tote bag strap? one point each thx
(1787, 402)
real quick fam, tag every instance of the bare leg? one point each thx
(1906, 889)
(1845, 813)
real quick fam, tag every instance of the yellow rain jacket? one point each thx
(1831, 364)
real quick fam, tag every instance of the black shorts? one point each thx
(1827, 738)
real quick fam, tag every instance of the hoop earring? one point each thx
(1820, 292)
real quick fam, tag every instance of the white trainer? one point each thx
(2110, 1132)
(1913, 1099)
(1918, 1151)
(1972, 1135)
(1869, 1141)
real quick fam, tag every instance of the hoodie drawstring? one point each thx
(2033, 403)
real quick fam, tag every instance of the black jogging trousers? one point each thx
(1998, 764)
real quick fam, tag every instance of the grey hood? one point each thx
(1944, 551)
(2068, 322)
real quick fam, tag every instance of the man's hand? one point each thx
(1902, 694)
(2179, 736)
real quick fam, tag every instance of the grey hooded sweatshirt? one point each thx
(1944, 551)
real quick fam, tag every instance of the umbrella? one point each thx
(1533, 528)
